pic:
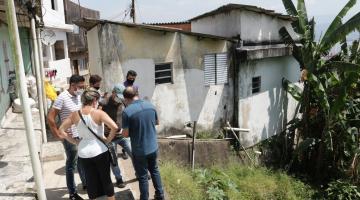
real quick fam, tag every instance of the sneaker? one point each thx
(158, 197)
(124, 155)
(75, 197)
(120, 183)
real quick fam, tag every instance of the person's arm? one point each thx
(52, 123)
(125, 125)
(156, 119)
(65, 126)
(109, 123)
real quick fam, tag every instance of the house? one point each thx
(170, 66)
(262, 60)
(55, 46)
(229, 68)
(77, 44)
(7, 68)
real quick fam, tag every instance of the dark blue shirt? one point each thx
(140, 118)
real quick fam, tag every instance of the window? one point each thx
(256, 84)
(216, 69)
(59, 50)
(163, 73)
(54, 4)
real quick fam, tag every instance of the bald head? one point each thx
(130, 93)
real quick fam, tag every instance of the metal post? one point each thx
(193, 147)
(42, 73)
(20, 76)
(38, 81)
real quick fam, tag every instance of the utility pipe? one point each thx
(42, 72)
(20, 77)
(193, 146)
(39, 83)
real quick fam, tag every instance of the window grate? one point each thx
(163, 73)
(256, 84)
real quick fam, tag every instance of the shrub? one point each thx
(340, 190)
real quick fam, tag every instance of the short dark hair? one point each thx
(94, 79)
(76, 79)
(131, 73)
(130, 93)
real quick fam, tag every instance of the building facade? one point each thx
(77, 44)
(262, 61)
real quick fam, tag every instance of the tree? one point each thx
(330, 100)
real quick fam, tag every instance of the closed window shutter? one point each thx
(216, 69)
(221, 68)
(209, 71)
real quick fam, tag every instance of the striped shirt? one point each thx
(67, 103)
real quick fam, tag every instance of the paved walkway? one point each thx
(16, 177)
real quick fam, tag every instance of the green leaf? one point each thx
(290, 7)
(342, 66)
(338, 19)
(302, 14)
(292, 89)
(339, 33)
(354, 51)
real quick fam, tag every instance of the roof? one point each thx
(169, 23)
(230, 7)
(89, 23)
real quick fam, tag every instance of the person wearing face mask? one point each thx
(130, 79)
(113, 106)
(93, 153)
(66, 103)
(95, 82)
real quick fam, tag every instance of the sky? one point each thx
(151, 11)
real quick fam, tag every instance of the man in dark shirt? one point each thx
(130, 79)
(138, 121)
(113, 105)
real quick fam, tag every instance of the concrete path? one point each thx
(16, 176)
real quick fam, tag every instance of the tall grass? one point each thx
(232, 181)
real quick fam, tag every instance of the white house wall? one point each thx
(250, 26)
(187, 99)
(94, 52)
(62, 66)
(265, 113)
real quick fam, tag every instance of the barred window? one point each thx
(256, 84)
(163, 73)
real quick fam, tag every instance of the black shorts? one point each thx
(97, 174)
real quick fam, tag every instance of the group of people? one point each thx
(91, 120)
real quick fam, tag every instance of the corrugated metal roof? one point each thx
(230, 7)
(89, 23)
(169, 23)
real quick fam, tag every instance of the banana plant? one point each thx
(328, 82)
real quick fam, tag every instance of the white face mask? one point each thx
(79, 92)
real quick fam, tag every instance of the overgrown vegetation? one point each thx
(209, 135)
(232, 181)
(322, 141)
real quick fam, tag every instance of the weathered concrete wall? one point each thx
(187, 98)
(265, 113)
(251, 26)
(207, 152)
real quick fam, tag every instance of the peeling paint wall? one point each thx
(123, 48)
(250, 26)
(265, 113)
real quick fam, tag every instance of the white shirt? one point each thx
(67, 103)
(89, 145)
